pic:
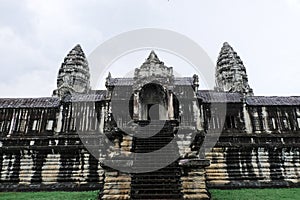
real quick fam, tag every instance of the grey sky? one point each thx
(35, 36)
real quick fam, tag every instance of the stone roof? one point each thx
(183, 81)
(121, 81)
(50, 102)
(207, 96)
(273, 101)
(95, 95)
(210, 96)
(44, 102)
(130, 81)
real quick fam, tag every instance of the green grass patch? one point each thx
(257, 194)
(91, 195)
(242, 194)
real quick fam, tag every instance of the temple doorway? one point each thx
(154, 102)
(153, 112)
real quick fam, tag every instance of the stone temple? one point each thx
(258, 145)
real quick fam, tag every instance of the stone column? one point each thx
(247, 119)
(106, 115)
(196, 111)
(136, 107)
(170, 106)
(201, 118)
(265, 119)
(12, 123)
(101, 124)
(59, 117)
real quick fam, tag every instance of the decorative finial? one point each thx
(226, 44)
(153, 57)
(77, 48)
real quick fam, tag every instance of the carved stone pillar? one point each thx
(265, 119)
(170, 106)
(136, 105)
(247, 120)
(59, 117)
(201, 118)
(101, 124)
(196, 111)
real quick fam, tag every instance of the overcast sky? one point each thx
(35, 36)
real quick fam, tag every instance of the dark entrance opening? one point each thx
(153, 111)
(153, 102)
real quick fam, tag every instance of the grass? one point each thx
(257, 194)
(92, 195)
(243, 194)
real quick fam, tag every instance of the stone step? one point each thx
(174, 184)
(156, 196)
(158, 191)
(161, 184)
(156, 181)
(154, 147)
(153, 139)
(150, 141)
(157, 178)
(169, 178)
(168, 171)
(164, 153)
(138, 186)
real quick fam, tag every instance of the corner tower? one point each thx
(73, 76)
(231, 73)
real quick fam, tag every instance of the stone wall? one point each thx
(256, 160)
(49, 160)
(44, 167)
(41, 150)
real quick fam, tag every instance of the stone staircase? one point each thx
(163, 183)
